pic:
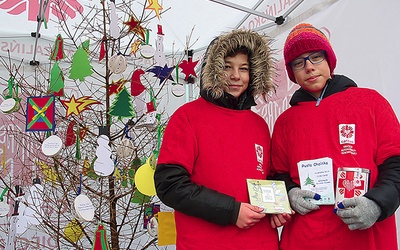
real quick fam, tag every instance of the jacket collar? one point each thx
(334, 85)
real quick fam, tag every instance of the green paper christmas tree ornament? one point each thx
(122, 105)
(80, 67)
(56, 80)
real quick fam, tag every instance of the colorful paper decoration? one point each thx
(135, 46)
(116, 87)
(70, 137)
(48, 172)
(4, 207)
(88, 168)
(73, 232)
(40, 113)
(103, 165)
(9, 105)
(163, 73)
(154, 5)
(117, 64)
(188, 68)
(33, 211)
(159, 55)
(77, 106)
(100, 239)
(56, 80)
(135, 27)
(140, 198)
(150, 212)
(122, 105)
(125, 148)
(102, 51)
(136, 84)
(114, 29)
(52, 145)
(146, 50)
(166, 228)
(144, 179)
(80, 67)
(58, 49)
(84, 207)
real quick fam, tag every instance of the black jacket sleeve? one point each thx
(287, 179)
(386, 190)
(175, 189)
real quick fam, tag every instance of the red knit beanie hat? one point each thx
(306, 38)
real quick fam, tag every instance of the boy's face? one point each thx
(313, 77)
(237, 71)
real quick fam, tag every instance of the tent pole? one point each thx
(42, 10)
(247, 16)
(242, 8)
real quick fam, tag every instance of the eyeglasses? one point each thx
(314, 58)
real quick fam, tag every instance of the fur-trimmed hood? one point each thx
(262, 65)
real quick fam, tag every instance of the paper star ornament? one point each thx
(77, 106)
(154, 5)
(116, 87)
(135, 27)
(188, 68)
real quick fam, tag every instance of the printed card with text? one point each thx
(270, 195)
(317, 175)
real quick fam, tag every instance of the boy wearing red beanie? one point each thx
(330, 117)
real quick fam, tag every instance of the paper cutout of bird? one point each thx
(136, 85)
(77, 106)
(135, 27)
(116, 87)
(163, 73)
(188, 68)
(154, 5)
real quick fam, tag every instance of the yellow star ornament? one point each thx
(154, 5)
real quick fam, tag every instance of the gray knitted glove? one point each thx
(358, 213)
(299, 204)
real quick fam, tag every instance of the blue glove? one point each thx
(299, 204)
(358, 213)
